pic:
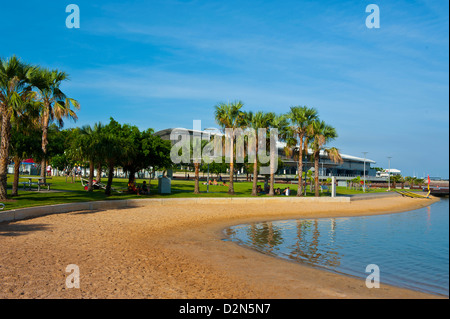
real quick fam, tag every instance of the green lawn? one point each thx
(74, 192)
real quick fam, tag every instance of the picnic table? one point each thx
(39, 182)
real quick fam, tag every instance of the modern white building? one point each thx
(388, 172)
(351, 166)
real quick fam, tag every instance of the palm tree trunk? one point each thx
(231, 185)
(91, 175)
(300, 167)
(271, 184)
(196, 178)
(272, 174)
(15, 186)
(4, 152)
(45, 121)
(255, 177)
(255, 171)
(316, 173)
(99, 172)
(110, 178)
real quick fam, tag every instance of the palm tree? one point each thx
(320, 134)
(300, 118)
(411, 180)
(110, 150)
(419, 181)
(197, 162)
(256, 121)
(55, 104)
(230, 117)
(402, 181)
(88, 145)
(15, 91)
(24, 134)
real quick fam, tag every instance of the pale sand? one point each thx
(174, 251)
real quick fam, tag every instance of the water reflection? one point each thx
(276, 239)
(265, 236)
(410, 248)
(307, 246)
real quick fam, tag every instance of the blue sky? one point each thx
(163, 64)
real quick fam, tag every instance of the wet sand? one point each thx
(174, 251)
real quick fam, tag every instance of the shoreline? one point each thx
(314, 266)
(176, 251)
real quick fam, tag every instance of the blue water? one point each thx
(410, 249)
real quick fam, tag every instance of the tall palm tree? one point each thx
(88, 144)
(56, 105)
(300, 118)
(197, 162)
(229, 116)
(15, 91)
(110, 150)
(24, 134)
(257, 121)
(320, 134)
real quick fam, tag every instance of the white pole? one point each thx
(333, 186)
(364, 190)
(389, 173)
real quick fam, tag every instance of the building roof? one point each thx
(279, 144)
(344, 156)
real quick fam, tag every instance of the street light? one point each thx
(389, 173)
(364, 189)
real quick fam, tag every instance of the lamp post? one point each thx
(364, 189)
(389, 173)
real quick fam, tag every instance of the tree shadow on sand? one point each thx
(12, 229)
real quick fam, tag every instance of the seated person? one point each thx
(286, 191)
(224, 184)
(132, 189)
(144, 188)
(259, 189)
(215, 182)
(278, 191)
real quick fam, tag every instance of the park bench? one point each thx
(26, 185)
(39, 185)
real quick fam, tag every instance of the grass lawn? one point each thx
(68, 192)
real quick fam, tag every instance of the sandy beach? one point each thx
(174, 251)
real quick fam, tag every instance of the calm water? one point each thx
(410, 249)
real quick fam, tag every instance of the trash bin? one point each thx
(164, 185)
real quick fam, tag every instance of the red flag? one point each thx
(429, 181)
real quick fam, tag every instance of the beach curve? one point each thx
(175, 251)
